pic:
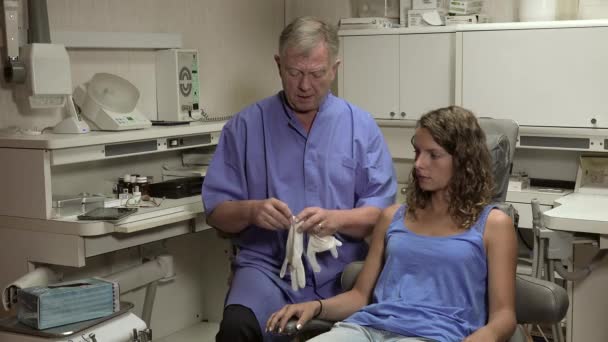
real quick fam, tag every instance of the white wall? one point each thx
(331, 11)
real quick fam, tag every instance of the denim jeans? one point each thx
(348, 332)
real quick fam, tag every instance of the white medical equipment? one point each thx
(582, 211)
(577, 219)
(109, 102)
(177, 85)
(44, 67)
(14, 69)
(122, 326)
(50, 81)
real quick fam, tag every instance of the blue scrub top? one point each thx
(342, 163)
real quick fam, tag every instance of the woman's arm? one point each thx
(501, 248)
(343, 305)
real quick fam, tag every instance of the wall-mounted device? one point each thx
(49, 80)
(177, 85)
(109, 102)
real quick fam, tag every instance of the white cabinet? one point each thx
(398, 76)
(369, 75)
(426, 73)
(538, 77)
(36, 169)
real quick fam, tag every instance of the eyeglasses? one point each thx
(296, 73)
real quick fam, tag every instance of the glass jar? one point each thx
(143, 185)
(537, 10)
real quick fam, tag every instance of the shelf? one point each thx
(100, 145)
(579, 212)
(117, 40)
(544, 197)
(478, 27)
(52, 141)
(170, 211)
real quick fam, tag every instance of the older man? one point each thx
(300, 152)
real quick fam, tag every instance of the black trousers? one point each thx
(239, 325)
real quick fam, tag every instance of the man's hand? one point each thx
(319, 221)
(271, 214)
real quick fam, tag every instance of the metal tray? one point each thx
(11, 324)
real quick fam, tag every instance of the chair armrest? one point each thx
(519, 335)
(349, 275)
(311, 328)
(539, 301)
(318, 326)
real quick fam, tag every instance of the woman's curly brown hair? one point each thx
(457, 131)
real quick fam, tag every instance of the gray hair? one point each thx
(305, 33)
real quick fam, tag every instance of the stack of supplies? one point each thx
(465, 7)
(427, 13)
(465, 12)
(44, 307)
(367, 23)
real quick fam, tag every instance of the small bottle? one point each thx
(136, 195)
(127, 184)
(142, 183)
(117, 188)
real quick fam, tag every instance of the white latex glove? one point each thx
(318, 244)
(293, 257)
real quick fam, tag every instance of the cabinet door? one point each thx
(370, 73)
(540, 77)
(426, 73)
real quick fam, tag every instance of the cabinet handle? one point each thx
(403, 190)
(593, 121)
(402, 114)
(392, 114)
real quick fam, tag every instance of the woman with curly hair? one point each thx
(441, 267)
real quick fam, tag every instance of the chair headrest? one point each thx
(506, 127)
(501, 139)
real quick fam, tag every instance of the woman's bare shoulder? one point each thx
(498, 218)
(389, 212)
(386, 218)
(499, 226)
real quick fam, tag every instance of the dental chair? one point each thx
(537, 301)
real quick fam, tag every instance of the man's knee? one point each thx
(239, 324)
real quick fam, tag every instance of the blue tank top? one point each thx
(432, 287)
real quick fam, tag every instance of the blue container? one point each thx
(43, 307)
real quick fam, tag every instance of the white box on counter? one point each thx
(460, 19)
(465, 7)
(415, 17)
(404, 7)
